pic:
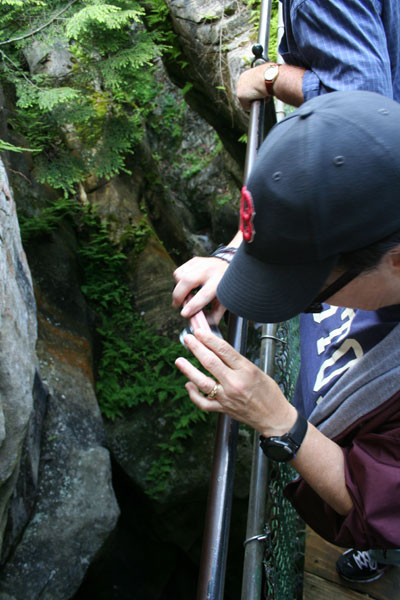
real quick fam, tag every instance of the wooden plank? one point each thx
(320, 560)
(316, 588)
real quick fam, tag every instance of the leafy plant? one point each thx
(200, 158)
(136, 365)
(255, 10)
(88, 118)
(47, 219)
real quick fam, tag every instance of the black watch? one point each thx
(283, 448)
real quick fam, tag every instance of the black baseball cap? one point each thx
(326, 181)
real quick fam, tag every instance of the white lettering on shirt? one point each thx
(341, 332)
(347, 346)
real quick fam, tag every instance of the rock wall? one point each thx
(52, 455)
(215, 38)
(18, 333)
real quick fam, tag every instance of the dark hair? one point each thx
(369, 257)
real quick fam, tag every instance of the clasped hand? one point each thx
(203, 272)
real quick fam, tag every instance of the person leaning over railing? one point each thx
(327, 46)
(323, 224)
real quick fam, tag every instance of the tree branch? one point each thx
(26, 35)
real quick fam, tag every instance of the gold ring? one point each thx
(214, 391)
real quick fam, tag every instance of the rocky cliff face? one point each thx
(53, 455)
(18, 362)
(215, 38)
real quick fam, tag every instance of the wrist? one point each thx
(281, 422)
(271, 74)
(284, 448)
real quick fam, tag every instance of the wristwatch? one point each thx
(270, 76)
(283, 448)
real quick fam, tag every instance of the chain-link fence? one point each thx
(284, 550)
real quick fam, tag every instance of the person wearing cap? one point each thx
(322, 223)
(327, 46)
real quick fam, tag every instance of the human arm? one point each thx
(287, 87)
(339, 46)
(204, 271)
(371, 451)
(250, 396)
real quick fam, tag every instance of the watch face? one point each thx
(277, 449)
(271, 73)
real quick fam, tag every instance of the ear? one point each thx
(393, 257)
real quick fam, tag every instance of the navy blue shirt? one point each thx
(332, 342)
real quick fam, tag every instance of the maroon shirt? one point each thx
(371, 448)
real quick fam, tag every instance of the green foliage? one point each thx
(47, 220)
(83, 122)
(200, 158)
(6, 146)
(168, 117)
(100, 16)
(273, 38)
(221, 199)
(255, 10)
(86, 120)
(45, 98)
(136, 364)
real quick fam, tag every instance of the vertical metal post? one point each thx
(219, 506)
(254, 547)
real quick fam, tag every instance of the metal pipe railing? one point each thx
(254, 542)
(219, 505)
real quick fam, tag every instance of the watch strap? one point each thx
(225, 253)
(299, 430)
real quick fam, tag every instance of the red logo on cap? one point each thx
(247, 214)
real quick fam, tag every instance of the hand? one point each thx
(199, 271)
(245, 393)
(251, 86)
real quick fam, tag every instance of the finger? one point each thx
(185, 270)
(198, 302)
(181, 291)
(199, 321)
(202, 401)
(217, 312)
(228, 355)
(202, 381)
(210, 359)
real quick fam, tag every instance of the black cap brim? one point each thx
(270, 293)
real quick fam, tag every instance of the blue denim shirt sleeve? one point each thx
(311, 85)
(343, 45)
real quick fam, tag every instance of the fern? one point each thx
(136, 364)
(90, 121)
(45, 98)
(6, 146)
(107, 16)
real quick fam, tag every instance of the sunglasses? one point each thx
(338, 284)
